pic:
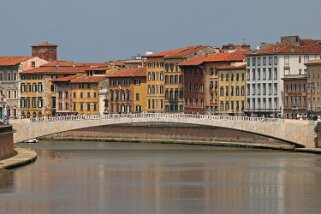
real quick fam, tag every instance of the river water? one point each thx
(98, 177)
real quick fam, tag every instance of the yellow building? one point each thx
(38, 93)
(165, 79)
(127, 90)
(231, 85)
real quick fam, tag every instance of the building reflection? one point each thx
(6, 182)
(137, 182)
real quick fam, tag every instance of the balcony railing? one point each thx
(154, 116)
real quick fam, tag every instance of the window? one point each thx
(242, 91)
(253, 61)
(81, 95)
(161, 76)
(95, 94)
(306, 59)
(258, 73)
(33, 102)
(75, 95)
(137, 82)
(275, 60)
(137, 96)
(161, 89)
(88, 94)
(33, 64)
(264, 73)
(81, 106)
(270, 73)
(253, 74)
(88, 106)
(148, 76)
(264, 60)
(286, 61)
(275, 73)
(275, 88)
(166, 79)
(248, 74)
(237, 91)
(221, 91)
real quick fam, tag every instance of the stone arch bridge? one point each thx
(298, 132)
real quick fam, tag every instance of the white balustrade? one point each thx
(153, 115)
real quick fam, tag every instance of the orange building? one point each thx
(38, 93)
(79, 94)
(127, 90)
(165, 79)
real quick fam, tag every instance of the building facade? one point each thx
(10, 69)
(38, 91)
(165, 79)
(313, 87)
(295, 97)
(127, 90)
(231, 86)
(269, 65)
(201, 80)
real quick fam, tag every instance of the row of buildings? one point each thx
(281, 79)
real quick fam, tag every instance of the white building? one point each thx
(267, 66)
(10, 67)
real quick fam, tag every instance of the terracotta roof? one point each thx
(314, 62)
(128, 72)
(44, 44)
(228, 67)
(67, 78)
(178, 53)
(59, 64)
(55, 70)
(88, 79)
(13, 60)
(307, 47)
(97, 68)
(221, 57)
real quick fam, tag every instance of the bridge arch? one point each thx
(299, 133)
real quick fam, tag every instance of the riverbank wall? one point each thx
(171, 133)
(6, 142)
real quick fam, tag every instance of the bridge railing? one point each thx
(153, 115)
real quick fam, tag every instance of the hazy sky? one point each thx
(101, 30)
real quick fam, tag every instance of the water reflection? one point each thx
(143, 178)
(6, 181)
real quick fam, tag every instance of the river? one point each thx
(99, 177)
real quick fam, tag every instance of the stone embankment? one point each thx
(11, 157)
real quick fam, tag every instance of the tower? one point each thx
(45, 51)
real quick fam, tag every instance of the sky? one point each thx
(102, 30)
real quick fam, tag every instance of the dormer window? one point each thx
(33, 64)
